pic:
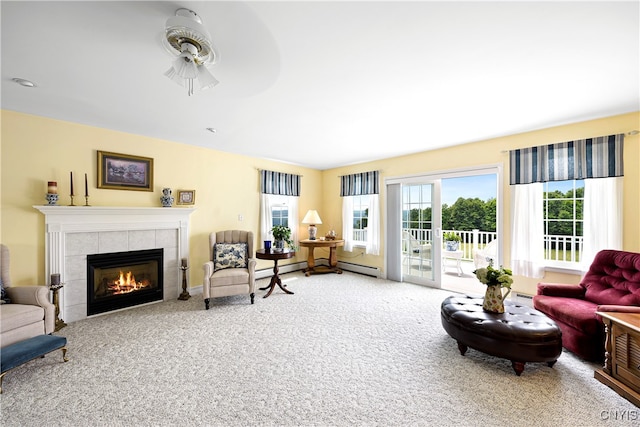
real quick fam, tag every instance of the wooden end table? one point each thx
(621, 370)
(275, 256)
(333, 258)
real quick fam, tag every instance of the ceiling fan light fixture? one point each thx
(187, 39)
(205, 78)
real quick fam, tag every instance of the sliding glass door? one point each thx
(414, 221)
(413, 230)
(420, 221)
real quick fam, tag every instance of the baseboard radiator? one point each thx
(296, 266)
(357, 268)
(346, 266)
(523, 299)
(286, 268)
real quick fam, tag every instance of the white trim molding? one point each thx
(73, 232)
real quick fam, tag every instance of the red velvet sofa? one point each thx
(611, 284)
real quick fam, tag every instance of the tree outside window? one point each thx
(563, 220)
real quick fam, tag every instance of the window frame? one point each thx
(282, 203)
(556, 264)
(358, 201)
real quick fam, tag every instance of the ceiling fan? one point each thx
(189, 41)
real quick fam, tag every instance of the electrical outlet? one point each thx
(240, 217)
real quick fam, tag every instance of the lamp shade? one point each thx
(312, 217)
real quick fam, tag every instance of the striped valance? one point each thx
(282, 184)
(358, 184)
(599, 157)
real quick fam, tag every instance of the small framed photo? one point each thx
(186, 197)
(124, 172)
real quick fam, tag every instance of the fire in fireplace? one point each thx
(123, 279)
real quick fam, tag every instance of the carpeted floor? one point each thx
(344, 350)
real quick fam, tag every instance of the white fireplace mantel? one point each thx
(72, 232)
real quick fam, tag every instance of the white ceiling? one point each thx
(329, 83)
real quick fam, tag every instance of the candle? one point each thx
(55, 279)
(52, 187)
(184, 262)
(86, 186)
(71, 175)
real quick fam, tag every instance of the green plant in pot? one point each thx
(281, 235)
(451, 241)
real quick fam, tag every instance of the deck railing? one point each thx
(563, 248)
(556, 247)
(474, 239)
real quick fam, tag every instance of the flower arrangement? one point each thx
(495, 276)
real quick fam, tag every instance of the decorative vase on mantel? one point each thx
(493, 299)
(167, 198)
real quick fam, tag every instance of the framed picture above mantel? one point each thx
(124, 172)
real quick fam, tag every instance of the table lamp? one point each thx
(312, 218)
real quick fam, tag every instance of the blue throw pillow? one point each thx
(230, 255)
(4, 298)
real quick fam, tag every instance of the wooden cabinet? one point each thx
(621, 369)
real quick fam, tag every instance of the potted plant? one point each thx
(451, 241)
(281, 235)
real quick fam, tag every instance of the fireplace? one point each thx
(123, 279)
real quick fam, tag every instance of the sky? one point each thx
(483, 187)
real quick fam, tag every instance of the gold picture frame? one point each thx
(186, 197)
(118, 171)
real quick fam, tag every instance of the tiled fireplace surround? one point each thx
(73, 232)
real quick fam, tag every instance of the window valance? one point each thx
(599, 157)
(282, 184)
(358, 184)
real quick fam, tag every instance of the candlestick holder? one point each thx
(71, 200)
(86, 201)
(185, 294)
(56, 302)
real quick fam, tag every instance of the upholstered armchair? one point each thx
(232, 266)
(28, 313)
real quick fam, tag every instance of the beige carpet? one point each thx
(344, 350)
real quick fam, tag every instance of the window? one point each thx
(567, 203)
(361, 211)
(417, 211)
(280, 214)
(360, 219)
(278, 210)
(563, 204)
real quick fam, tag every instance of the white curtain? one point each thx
(373, 226)
(347, 223)
(294, 218)
(527, 233)
(267, 201)
(266, 219)
(602, 217)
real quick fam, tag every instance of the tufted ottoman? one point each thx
(521, 334)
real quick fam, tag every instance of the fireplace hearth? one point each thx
(123, 279)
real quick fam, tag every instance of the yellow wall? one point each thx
(494, 151)
(35, 150)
